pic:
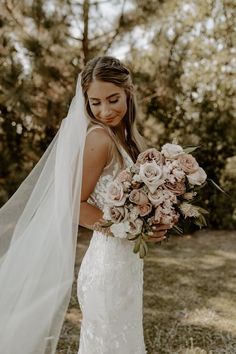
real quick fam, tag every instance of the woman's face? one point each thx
(107, 102)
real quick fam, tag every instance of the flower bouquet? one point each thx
(158, 189)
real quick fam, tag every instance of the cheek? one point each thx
(123, 106)
(94, 110)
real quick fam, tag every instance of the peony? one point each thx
(178, 188)
(118, 213)
(189, 210)
(115, 193)
(188, 163)
(198, 177)
(120, 230)
(150, 155)
(172, 151)
(136, 226)
(137, 196)
(152, 175)
(145, 209)
(124, 176)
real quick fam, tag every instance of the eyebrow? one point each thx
(98, 99)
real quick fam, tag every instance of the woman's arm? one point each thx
(97, 154)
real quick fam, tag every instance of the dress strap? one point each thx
(94, 127)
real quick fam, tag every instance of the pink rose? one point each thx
(124, 176)
(188, 163)
(160, 196)
(115, 194)
(145, 209)
(138, 196)
(198, 177)
(150, 155)
(162, 217)
(178, 188)
(152, 175)
(157, 197)
(118, 214)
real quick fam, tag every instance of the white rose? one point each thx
(152, 175)
(136, 178)
(120, 230)
(136, 227)
(134, 213)
(198, 177)
(106, 213)
(172, 151)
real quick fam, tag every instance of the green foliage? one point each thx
(184, 81)
(187, 91)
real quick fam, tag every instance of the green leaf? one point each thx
(137, 245)
(203, 211)
(178, 229)
(133, 237)
(145, 246)
(189, 149)
(107, 224)
(142, 250)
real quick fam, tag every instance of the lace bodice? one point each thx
(96, 198)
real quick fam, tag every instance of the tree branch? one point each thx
(117, 31)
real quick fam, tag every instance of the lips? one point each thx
(110, 119)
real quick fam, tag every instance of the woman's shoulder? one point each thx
(98, 129)
(99, 136)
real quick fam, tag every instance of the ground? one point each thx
(189, 296)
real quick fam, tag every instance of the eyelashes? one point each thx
(96, 104)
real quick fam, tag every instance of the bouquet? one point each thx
(158, 189)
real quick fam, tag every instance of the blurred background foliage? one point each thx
(182, 56)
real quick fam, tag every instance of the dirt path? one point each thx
(189, 296)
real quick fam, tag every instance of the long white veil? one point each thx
(38, 233)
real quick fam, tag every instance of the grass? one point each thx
(189, 296)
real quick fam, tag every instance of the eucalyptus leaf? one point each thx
(142, 251)
(137, 245)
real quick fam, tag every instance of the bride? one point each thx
(39, 227)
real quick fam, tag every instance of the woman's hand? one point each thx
(159, 232)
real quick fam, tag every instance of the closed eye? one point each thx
(96, 104)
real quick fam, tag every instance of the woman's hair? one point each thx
(110, 69)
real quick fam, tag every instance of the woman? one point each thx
(39, 226)
(110, 279)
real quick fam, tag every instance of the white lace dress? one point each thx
(110, 288)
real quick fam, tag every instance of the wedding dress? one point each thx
(110, 286)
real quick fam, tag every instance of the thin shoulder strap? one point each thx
(94, 127)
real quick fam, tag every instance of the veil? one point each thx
(38, 234)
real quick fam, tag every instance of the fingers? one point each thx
(156, 239)
(160, 227)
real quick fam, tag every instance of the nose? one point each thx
(105, 110)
